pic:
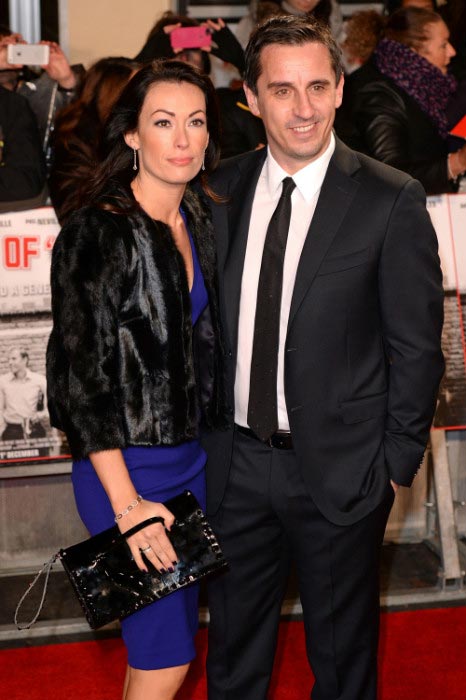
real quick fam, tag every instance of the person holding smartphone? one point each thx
(193, 44)
(55, 88)
(22, 171)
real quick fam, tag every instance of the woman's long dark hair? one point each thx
(78, 131)
(116, 167)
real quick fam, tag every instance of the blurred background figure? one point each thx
(158, 43)
(240, 130)
(22, 167)
(48, 91)
(393, 5)
(327, 11)
(78, 132)
(224, 43)
(454, 15)
(362, 33)
(396, 104)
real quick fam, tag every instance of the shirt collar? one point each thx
(26, 378)
(308, 180)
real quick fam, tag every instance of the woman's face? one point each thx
(303, 6)
(172, 136)
(436, 48)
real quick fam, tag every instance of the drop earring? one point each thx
(203, 163)
(135, 159)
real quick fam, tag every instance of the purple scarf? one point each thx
(419, 78)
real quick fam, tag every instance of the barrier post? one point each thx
(452, 574)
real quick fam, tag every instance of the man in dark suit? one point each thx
(331, 292)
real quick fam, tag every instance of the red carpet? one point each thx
(422, 657)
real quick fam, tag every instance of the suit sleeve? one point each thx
(411, 294)
(88, 274)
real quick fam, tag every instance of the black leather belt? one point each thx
(280, 440)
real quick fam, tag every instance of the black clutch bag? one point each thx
(106, 580)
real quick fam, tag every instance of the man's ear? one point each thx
(131, 139)
(252, 100)
(339, 92)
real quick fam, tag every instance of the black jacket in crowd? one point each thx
(383, 121)
(124, 364)
(241, 131)
(22, 167)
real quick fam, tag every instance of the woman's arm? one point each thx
(112, 471)
(88, 277)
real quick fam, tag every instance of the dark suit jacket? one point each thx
(362, 355)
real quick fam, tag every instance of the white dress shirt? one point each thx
(20, 397)
(303, 200)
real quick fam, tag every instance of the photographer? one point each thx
(22, 171)
(47, 93)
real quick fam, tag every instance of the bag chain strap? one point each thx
(47, 568)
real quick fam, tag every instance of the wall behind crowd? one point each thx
(90, 29)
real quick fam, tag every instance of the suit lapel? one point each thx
(336, 195)
(239, 215)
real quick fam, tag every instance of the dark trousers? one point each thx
(268, 520)
(15, 431)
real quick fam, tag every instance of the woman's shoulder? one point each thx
(94, 228)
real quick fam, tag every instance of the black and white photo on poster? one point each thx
(25, 431)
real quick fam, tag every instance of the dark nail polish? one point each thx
(171, 570)
(174, 563)
(163, 571)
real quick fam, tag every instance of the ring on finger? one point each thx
(145, 549)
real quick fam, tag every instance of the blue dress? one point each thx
(162, 634)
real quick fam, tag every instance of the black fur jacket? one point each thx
(124, 364)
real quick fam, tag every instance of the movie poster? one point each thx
(26, 241)
(448, 213)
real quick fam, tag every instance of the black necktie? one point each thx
(262, 406)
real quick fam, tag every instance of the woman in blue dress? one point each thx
(134, 359)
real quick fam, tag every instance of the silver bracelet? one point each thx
(132, 505)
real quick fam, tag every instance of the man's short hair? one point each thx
(23, 353)
(290, 30)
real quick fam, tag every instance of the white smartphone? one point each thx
(28, 54)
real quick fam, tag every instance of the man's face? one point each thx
(16, 362)
(297, 96)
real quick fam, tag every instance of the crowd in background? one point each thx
(405, 91)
